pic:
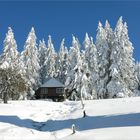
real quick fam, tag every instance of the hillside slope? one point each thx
(44, 120)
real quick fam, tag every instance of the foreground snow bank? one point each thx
(44, 120)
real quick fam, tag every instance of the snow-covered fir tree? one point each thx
(12, 70)
(10, 53)
(103, 60)
(31, 61)
(84, 82)
(51, 61)
(73, 82)
(109, 34)
(62, 62)
(109, 38)
(42, 61)
(90, 64)
(123, 82)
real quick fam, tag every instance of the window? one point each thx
(44, 90)
(59, 90)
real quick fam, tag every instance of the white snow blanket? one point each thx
(111, 119)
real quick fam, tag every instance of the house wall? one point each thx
(44, 92)
(52, 92)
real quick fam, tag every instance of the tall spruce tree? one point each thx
(91, 66)
(42, 61)
(110, 40)
(62, 62)
(51, 61)
(103, 53)
(12, 81)
(123, 81)
(74, 63)
(10, 53)
(31, 61)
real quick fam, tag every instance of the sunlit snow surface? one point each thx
(112, 119)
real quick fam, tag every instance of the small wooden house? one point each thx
(52, 89)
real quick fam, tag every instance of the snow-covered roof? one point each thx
(52, 83)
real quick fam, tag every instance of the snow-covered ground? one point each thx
(112, 119)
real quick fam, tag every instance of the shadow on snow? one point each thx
(87, 123)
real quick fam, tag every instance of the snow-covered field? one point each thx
(112, 119)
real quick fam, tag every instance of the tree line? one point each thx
(104, 69)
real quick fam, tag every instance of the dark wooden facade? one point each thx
(54, 93)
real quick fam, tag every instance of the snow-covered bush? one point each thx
(12, 84)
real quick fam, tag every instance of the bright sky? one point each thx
(62, 19)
